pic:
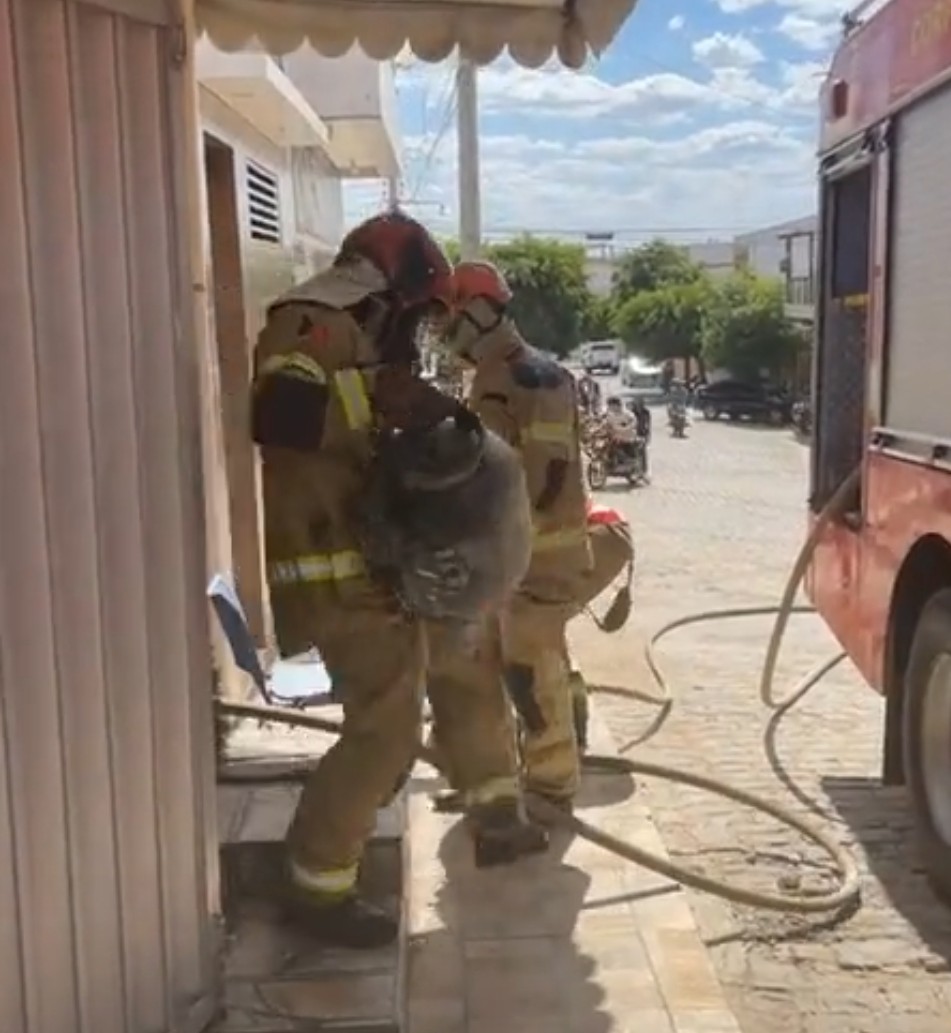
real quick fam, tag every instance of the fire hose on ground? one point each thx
(843, 898)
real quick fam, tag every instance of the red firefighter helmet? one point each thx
(471, 280)
(415, 266)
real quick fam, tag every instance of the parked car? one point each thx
(738, 400)
(602, 356)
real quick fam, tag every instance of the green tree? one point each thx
(652, 267)
(551, 303)
(550, 290)
(451, 247)
(598, 319)
(664, 323)
(745, 329)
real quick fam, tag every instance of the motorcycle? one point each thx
(677, 417)
(610, 459)
(590, 426)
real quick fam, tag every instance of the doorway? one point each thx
(842, 345)
(235, 364)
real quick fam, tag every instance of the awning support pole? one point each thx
(470, 215)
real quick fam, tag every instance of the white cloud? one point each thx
(566, 151)
(677, 23)
(739, 6)
(580, 95)
(822, 9)
(809, 33)
(723, 51)
(802, 82)
(813, 24)
(663, 98)
(741, 174)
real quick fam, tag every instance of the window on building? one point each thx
(264, 203)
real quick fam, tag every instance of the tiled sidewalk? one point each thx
(571, 942)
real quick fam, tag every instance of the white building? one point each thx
(293, 129)
(786, 251)
(280, 137)
(717, 257)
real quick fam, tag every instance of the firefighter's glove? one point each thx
(620, 609)
(288, 410)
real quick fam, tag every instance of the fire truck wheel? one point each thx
(927, 738)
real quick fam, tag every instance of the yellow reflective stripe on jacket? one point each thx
(353, 395)
(316, 568)
(332, 882)
(295, 364)
(548, 432)
(560, 539)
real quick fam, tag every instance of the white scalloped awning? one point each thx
(531, 30)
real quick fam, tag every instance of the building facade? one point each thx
(787, 251)
(718, 258)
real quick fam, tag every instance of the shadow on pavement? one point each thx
(880, 818)
(618, 487)
(749, 425)
(604, 789)
(538, 945)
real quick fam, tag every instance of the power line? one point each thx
(449, 101)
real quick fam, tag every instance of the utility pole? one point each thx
(470, 215)
(392, 192)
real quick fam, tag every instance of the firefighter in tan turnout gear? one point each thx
(333, 362)
(529, 400)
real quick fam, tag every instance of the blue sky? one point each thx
(699, 120)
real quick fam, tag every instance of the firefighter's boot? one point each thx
(502, 834)
(346, 921)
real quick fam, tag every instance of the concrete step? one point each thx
(278, 980)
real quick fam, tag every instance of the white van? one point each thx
(602, 355)
(644, 378)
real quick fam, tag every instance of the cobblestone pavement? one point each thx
(719, 527)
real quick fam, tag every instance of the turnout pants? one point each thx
(473, 730)
(377, 660)
(537, 675)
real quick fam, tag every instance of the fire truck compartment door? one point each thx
(917, 348)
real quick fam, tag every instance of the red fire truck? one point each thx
(881, 576)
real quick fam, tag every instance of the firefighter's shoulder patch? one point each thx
(318, 324)
(316, 332)
(534, 371)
